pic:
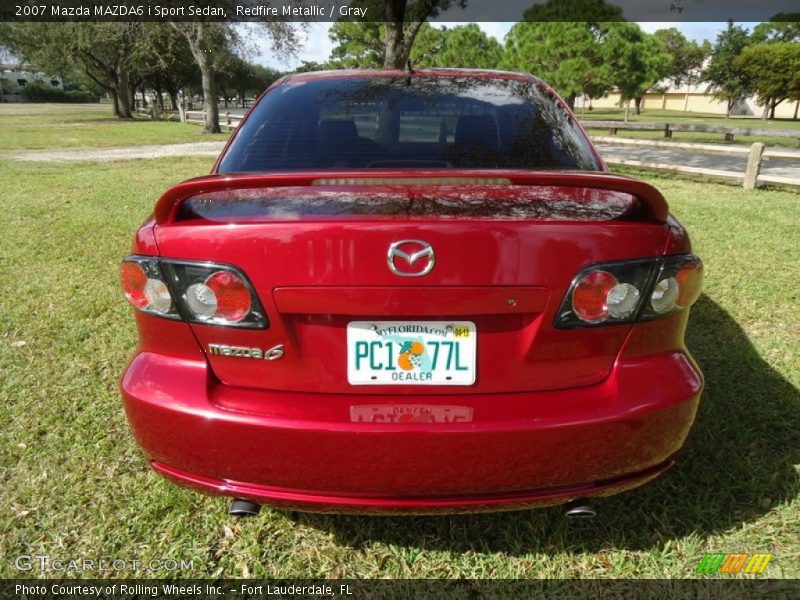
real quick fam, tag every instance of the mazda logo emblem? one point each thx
(410, 258)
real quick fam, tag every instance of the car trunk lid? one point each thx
(315, 249)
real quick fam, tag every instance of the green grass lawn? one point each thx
(72, 126)
(74, 484)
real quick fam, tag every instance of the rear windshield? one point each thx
(414, 122)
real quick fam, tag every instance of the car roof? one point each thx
(426, 72)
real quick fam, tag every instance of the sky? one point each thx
(317, 45)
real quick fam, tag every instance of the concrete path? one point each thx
(111, 154)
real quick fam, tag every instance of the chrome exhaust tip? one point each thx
(243, 508)
(579, 509)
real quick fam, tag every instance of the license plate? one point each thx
(411, 352)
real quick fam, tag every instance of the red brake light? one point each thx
(589, 298)
(134, 280)
(233, 296)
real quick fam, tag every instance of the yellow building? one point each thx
(694, 99)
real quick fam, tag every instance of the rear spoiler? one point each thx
(653, 204)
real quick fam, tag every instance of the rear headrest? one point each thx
(477, 131)
(337, 130)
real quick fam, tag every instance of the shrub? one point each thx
(39, 92)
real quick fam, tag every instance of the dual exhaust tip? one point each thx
(576, 509)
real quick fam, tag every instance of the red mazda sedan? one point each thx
(411, 291)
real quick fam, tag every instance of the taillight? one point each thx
(199, 292)
(631, 290)
(677, 286)
(144, 287)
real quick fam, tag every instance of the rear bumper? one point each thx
(430, 454)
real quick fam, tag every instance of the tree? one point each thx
(687, 58)
(726, 80)
(241, 78)
(212, 43)
(567, 55)
(774, 71)
(560, 42)
(165, 63)
(464, 46)
(403, 21)
(358, 44)
(206, 42)
(635, 60)
(574, 11)
(102, 52)
(362, 45)
(783, 27)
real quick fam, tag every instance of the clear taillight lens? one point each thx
(198, 292)
(631, 290)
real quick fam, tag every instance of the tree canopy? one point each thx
(726, 80)
(773, 71)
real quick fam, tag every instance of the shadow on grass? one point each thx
(737, 465)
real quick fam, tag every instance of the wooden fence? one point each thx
(750, 177)
(669, 128)
(226, 119)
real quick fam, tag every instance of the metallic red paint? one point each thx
(553, 415)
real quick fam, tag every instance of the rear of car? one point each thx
(411, 291)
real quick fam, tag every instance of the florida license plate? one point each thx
(411, 352)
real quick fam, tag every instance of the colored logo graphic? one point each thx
(410, 355)
(720, 562)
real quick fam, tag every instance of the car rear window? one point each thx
(415, 122)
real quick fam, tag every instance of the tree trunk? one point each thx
(765, 112)
(182, 108)
(144, 98)
(195, 34)
(123, 92)
(796, 107)
(400, 35)
(114, 101)
(729, 108)
(638, 102)
(173, 99)
(393, 57)
(570, 100)
(686, 102)
(627, 109)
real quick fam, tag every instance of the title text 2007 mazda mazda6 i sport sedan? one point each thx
(411, 291)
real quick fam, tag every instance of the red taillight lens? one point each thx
(233, 297)
(134, 280)
(590, 294)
